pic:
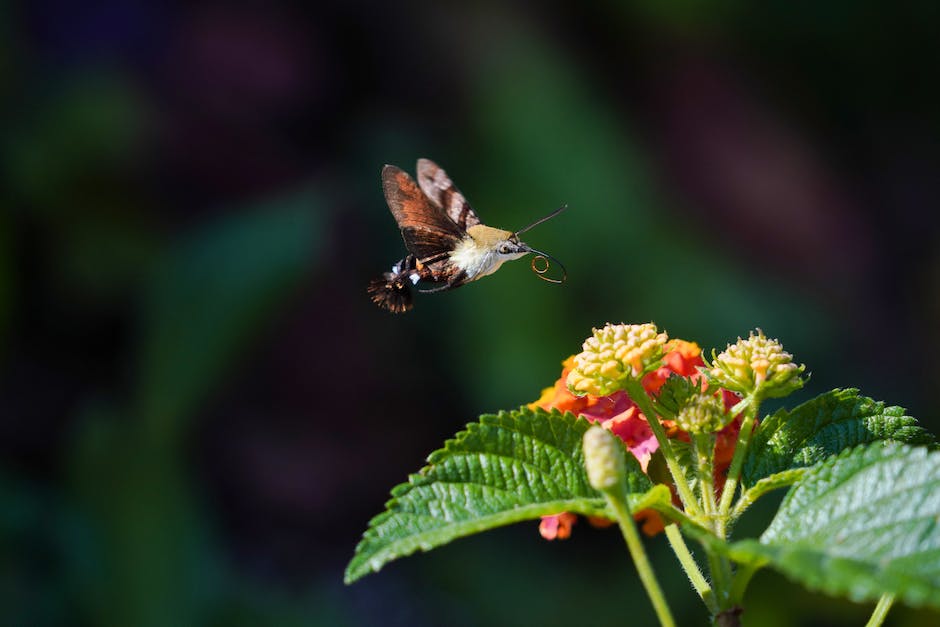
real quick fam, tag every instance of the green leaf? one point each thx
(861, 524)
(825, 426)
(210, 294)
(506, 468)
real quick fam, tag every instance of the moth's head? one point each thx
(494, 246)
(504, 244)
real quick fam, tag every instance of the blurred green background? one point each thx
(200, 409)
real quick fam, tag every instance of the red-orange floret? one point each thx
(558, 526)
(618, 413)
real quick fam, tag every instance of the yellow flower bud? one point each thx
(757, 365)
(614, 353)
(603, 459)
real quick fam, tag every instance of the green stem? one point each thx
(779, 480)
(747, 499)
(737, 461)
(742, 577)
(690, 566)
(722, 593)
(635, 545)
(638, 395)
(703, 444)
(881, 610)
(720, 571)
(675, 515)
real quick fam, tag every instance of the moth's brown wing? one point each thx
(443, 193)
(426, 229)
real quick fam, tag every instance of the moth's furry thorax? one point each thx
(485, 249)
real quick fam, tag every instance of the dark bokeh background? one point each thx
(200, 408)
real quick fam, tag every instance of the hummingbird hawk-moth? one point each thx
(447, 243)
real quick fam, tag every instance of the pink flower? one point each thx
(618, 413)
(557, 526)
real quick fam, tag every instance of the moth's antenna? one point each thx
(541, 220)
(541, 265)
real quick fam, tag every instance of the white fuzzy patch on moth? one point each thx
(479, 260)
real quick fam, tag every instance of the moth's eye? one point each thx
(504, 249)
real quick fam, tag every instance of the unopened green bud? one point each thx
(703, 413)
(675, 394)
(614, 353)
(603, 459)
(757, 366)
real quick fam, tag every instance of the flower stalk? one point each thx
(690, 566)
(607, 471)
(880, 611)
(734, 471)
(638, 395)
(703, 444)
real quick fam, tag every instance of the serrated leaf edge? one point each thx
(771, 427)
(451, 450)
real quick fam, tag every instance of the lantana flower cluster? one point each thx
(590, 387)
(757, 365)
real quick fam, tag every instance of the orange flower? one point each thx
(618, 413)
(681, 358)
(651, 523)
(557, 527)
(727, 437)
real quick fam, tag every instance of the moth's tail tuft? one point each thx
(392, 292)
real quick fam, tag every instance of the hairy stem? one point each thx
(734, 472)
(780, 480)
(690, 566)
(881, 610)
(703, 444)
(638, 395)
(635, 545)
(742, 577)
(720, 570)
